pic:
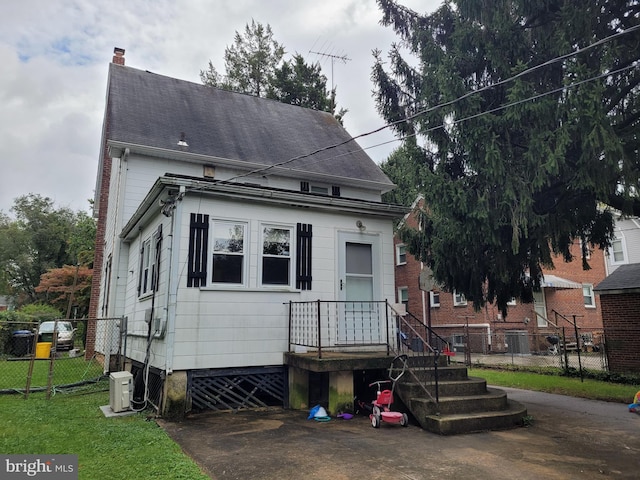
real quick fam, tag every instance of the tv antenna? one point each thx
(333, 58)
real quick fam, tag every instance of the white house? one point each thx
(625, 247)
(218, 209)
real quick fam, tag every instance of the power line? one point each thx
(451, 102)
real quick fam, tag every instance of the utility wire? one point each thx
(479, 114)
(451, 102)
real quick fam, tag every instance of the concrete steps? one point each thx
(465, 403)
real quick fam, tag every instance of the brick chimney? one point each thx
(118, 56)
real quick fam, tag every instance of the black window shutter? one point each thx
(335, 191)
(141, 267)
(155, 269)
(198, 243)
(304, 186)
(303, 256)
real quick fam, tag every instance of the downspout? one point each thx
(173, 279)
(117, 310)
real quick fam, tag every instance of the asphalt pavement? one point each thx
(568, 438)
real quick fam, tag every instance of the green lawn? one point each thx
(593, 389)
(116, 448)
(135, 447)
(66, 371)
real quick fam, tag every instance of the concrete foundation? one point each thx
(174, 404)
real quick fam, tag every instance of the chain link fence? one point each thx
(63, 356)
(561, 349)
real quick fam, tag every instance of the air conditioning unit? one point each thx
(120, 391)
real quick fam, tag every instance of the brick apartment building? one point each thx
(567, 295)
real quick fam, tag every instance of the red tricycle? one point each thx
(381, 406)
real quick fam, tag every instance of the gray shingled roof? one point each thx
(625, 277)
(153, 110)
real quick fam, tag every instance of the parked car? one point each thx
(66, 334)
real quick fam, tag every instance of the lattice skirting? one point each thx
(235, 389)
(154, 381)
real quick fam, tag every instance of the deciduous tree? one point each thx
(40, 237)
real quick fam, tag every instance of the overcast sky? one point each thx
(54, 56)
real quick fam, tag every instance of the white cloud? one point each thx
(55, 55)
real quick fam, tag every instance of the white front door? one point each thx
(359, 285)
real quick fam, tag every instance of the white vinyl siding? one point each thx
(222, 325)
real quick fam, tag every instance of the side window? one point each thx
(144, 279)
(149, 263)
(228, 252)
(276, 255)
(587, 294)
(401, 254)
(616, 251)
(459, 299)
(434, 299)
(403, 295)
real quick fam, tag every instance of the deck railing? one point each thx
(320, 326)
(340, 325)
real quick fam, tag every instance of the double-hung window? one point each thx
(459, 300)
(434, 299)
(228, 252)
(276, 255)
(401, 254)
(149, 263)
(588, 296)
(616, 251)
(144, 282)
(220, 251)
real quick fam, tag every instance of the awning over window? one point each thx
(552, 281)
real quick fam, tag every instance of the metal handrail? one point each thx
(421, 347)
(321, 325)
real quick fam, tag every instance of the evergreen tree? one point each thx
(532, 113)
(407, 168)
(250, 62)
(299, 83)
(254, 65)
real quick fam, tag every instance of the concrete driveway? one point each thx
(569, 438)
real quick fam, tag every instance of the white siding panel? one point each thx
(229, 327)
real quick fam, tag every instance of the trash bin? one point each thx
(22, 343)
(43, 349)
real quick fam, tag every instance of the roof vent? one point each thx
(183, 140)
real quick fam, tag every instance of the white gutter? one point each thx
(248, 166)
